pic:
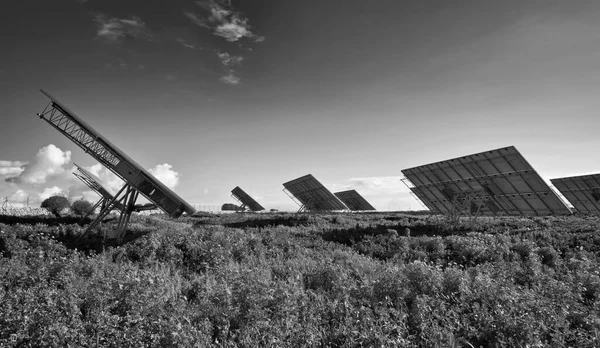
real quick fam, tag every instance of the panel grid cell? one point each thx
(354, 201)
(583, 192)
(502, 181)
(246, 199)
(312, 195)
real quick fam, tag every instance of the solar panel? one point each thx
(493, 182)
(353, 200)
(137, 179)
(311, 195)
(582, 191)
(245, 199)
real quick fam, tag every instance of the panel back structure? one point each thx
(311, 195)
(245, 200)
(496, 182)
(138, 180)
(92, 182)
(106, 197)
(582, 191)
(354, 201)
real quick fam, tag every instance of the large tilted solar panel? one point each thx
(92, 142)
(502, 181)
(313, 195)
(353, 200)
(246, 200)
(582, 191)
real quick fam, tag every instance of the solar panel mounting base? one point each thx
(241, 206)
(463, 203)
(124, 201)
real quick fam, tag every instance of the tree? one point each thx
(55, 204)
(81, 207)
(230, 207)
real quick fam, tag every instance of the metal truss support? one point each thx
(303, 208)
(410, 185)
(418, 200)
(407, 182)
(242, 206)
(61, 119)
(125, 200)
(5, 205)
(463, 204)
(100, 204)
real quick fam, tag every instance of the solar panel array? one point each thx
(582, 191)
(92, 142)
(354, 201)
(493, 182)
(245, 199)
(499, 181)
(311, 195)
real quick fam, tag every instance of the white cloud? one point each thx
(230, 25)
(107, 178)
(185, 44)
(229, 60)
(114, 29)
(51, 191)
(166, 175)
(197, 20)
(12, 163)
(48, 162)
(11, 168)
(20, 196)
(383, 192)
(377, 185)
(90, 196)
(231, 78)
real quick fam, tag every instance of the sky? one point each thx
(212, 94)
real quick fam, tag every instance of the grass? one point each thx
(299, 280)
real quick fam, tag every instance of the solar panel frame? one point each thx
(92, 142)
(354, 201)
(246, 199)
(92, 182)
(503, 181)
(312, 195)
(580, 191)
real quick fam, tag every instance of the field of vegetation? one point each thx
(300, 280)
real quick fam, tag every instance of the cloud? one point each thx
(166, 175)
(20, 196)
(48, 162)
(383, 192)
(114, 29)
(229, 60)
(186, 44)
(228, 24)
(388, 185)
(231, 78)
(51, 191)
(11, 168)
(107, 178)
(195, 19)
